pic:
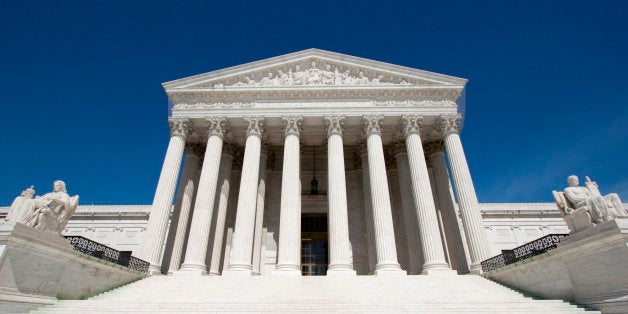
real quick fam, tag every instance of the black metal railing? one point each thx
(525, 251)
(106, 253)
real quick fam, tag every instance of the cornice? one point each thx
(325, 61)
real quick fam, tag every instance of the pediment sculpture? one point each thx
(313, 76)
(584, 206)
(52, 211)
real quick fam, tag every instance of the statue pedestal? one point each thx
(589, 267)
(39, 266)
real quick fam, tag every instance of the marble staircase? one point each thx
(205, 294)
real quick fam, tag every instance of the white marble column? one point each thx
(259, 214)
(242, 242)
(380, 197)
(431, 242)
(455, 246)
(224, 180)
(477, 239)
(185, 201)
(340, 261)
(362, 153)
(289, 250)
(198, 239)
(415, 256)
(180, 129)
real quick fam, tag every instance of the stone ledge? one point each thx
(39, 267)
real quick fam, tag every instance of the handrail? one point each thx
(106, 253)
(536, 247)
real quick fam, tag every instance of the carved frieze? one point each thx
(316, 75)
(180, 127)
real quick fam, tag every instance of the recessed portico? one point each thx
(336, 117)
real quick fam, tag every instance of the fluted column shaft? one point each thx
(477, 239)
(467, 202)
(380, 197)
(289, 251)
(185, 199)
(242, 242)
(448, 213)
(164, 194)
(224, 179)
(259, 214)
(368, 211)
(409, 212)
(339, 245)
(431, 242)
(196, 251)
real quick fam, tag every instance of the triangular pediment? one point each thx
(312, 68)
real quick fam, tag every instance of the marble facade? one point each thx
(372, 147)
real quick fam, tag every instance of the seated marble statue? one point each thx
(22, 206)
(53, 210)
(588, 199)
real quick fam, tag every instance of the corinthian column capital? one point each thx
(217, 126)
(292, 125)
(372, 124)
(334, 124)
(181, 127)
(447, 124)
(410, 124)
(254, 125)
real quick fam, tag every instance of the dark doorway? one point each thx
(314, 248)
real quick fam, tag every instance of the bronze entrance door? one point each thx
(314, 249)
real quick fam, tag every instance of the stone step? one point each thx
(204, 294)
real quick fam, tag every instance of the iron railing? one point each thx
(106, 253)
(525, 251)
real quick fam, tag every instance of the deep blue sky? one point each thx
(82, 99)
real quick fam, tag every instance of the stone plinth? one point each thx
(38, 267)
(590, 268)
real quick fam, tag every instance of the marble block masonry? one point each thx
(340, 130)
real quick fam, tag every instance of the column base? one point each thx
(475, 269)
(388, 269)
(238, 270)
(154, 270)
(287, 269)
(192, 269)
(440, 272)
(341, 270)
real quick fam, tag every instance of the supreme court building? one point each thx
(313, 163)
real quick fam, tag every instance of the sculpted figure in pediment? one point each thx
(328, 75)
(314, 75)
(298, 77)
(267, 80)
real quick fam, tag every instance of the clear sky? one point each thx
(82, 99)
